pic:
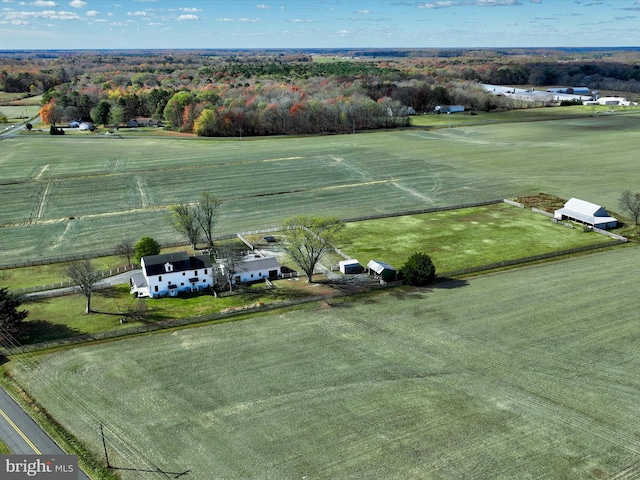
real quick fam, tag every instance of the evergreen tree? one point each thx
(10, 316)
(418, 270)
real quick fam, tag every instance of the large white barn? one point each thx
(586, 213)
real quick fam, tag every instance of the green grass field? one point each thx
(530, 373)
(464, 238)
(79, 194)
(454, 239)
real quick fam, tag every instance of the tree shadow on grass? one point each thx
(35, 331)
(449, 283)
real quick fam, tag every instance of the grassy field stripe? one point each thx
(413, 192)
(144, 202)
(44, 169)
(60, 239)
(43, 200)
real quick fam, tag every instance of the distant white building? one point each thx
(449, 108)
(612, 101)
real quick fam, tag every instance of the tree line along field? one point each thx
(64, 195)
(530, 373)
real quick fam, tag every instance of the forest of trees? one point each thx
(222, 93)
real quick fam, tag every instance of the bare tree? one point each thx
(184, 218)
(84, 279)
(308, 239)
(206, 209)
(630, 202)
(126, 249)
(229, 257)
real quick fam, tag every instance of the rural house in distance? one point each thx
(169, 274)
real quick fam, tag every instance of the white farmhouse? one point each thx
(168, 274)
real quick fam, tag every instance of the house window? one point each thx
(182, 284)
(184, 273)
(160, 278)
(168, 267)
(156, 288)
(205, 271)
(195, 273)
(252, 275)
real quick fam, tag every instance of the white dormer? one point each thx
(168, 267)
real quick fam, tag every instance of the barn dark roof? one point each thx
(181, 261)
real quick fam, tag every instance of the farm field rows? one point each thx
(530, 373)
(81, 191)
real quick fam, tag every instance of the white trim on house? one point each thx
(169, 274)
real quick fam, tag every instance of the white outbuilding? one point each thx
(350, 266)
(586, 213)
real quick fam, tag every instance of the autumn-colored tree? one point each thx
(174, 111)
(51, 113)
(205, 124)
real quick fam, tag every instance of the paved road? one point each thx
(11, 131)
(22, 434)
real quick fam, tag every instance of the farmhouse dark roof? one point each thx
(181, 262)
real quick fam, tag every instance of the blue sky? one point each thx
(71, 24)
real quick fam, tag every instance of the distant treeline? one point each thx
(247, 92)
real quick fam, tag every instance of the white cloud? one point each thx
(363, 12)
(138, 13)
(263, 7)
(43, 3)
(183, 18)
(45, 14)
(19, 22)
(190, 10)
(93, 13)
(77, 4)
(249, 20)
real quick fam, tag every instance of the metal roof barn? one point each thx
(586, 213)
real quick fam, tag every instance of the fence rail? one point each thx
(68, 283)
(166, 324)
(531, 259)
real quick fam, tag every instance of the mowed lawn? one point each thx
(81, 194)
(463, 238)
(530, 373)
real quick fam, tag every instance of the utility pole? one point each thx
(104, 445)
